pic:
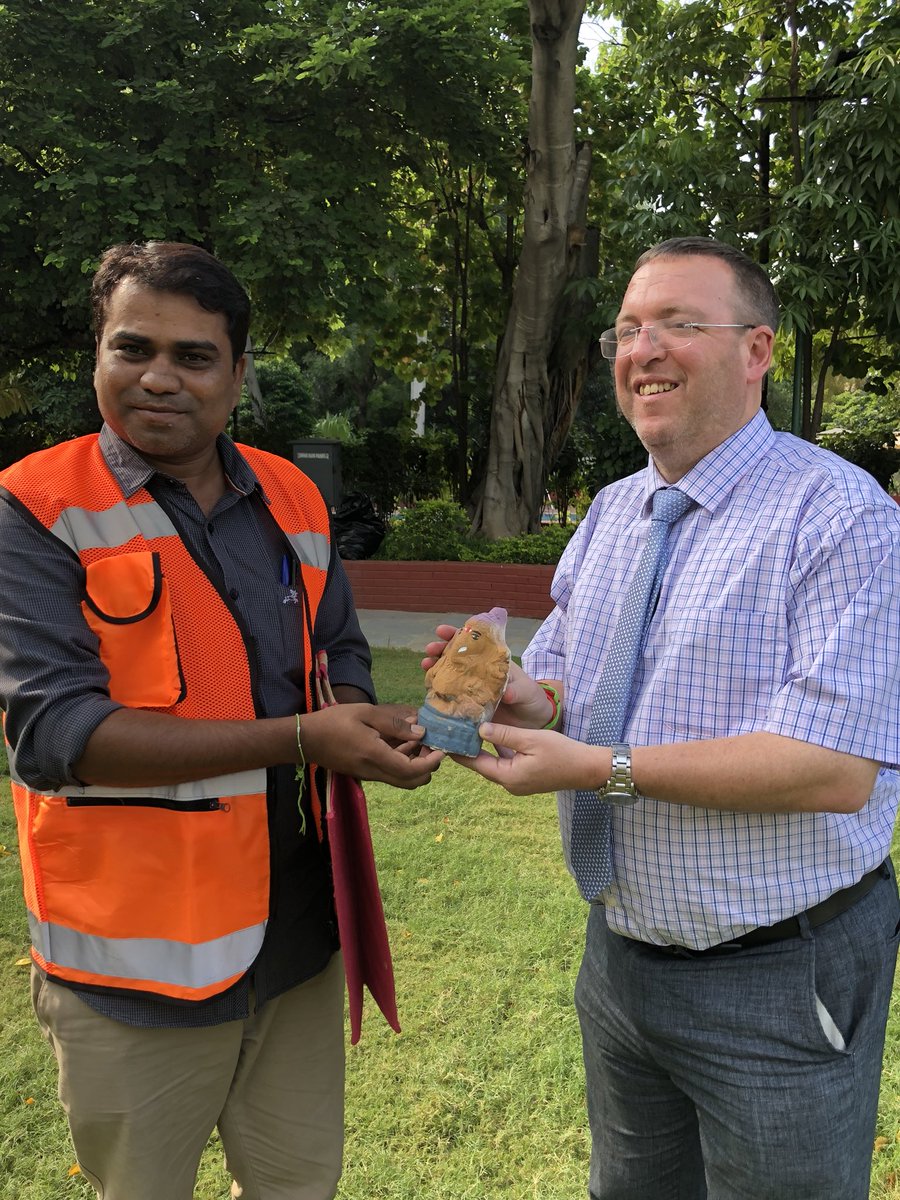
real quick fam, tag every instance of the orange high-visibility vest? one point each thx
(163, 890)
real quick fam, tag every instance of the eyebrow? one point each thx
(124, 336)
(671, 310)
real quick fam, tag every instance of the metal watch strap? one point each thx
(619, 788)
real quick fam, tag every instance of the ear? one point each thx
(240, 370)
(759, 352)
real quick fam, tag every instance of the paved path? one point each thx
(411, 630)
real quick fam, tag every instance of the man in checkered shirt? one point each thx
(738, 967)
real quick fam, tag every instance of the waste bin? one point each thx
(358, 529)
(320, 459)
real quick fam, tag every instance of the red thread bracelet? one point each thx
(553, 696)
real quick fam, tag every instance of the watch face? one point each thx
(619, 793)
(617, 796)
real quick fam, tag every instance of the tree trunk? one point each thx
(527, 406)
(806, 352)
(765, 197)
(827, 359)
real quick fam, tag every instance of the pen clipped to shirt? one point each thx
(289, 578)
(288, 570)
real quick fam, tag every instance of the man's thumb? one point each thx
(502, 735)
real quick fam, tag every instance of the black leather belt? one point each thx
(790, 927)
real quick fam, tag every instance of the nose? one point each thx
(159, 379)
(645, 348)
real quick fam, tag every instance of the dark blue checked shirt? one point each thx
(779, 612)
(53, 685)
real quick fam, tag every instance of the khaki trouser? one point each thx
(142, 1103)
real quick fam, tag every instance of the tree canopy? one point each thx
(775, 128)
(280, 136)
(377, 174)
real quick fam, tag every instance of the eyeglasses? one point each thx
(664, 335)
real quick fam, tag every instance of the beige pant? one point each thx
(142, 1103)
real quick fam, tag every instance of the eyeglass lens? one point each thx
(665, 336)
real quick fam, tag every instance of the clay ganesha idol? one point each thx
(466, 683)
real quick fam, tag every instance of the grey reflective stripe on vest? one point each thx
(241, 783)
(11, 760)
(157, 960)
(312, 549)
(81, 529)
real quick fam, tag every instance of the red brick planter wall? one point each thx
(453, 587)
(524, 591)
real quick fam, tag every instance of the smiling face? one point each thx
(164, 377)
(683, 403)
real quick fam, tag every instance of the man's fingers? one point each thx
(376, 742)
(395, 722)
(484, 763)
(414, 749)
(506, 737)
(410, 772)
(407, 728)
(434, 650)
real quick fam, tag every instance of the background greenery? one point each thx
(481, 1096)
(375, 212)
(439, 529)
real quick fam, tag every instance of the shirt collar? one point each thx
(714, 477)
(133, 472)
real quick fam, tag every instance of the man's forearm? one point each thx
(131, 748)
(755, 772)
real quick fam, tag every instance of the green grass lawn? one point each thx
(480, 1097)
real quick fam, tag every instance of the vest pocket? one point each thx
(128, 607)
(179, 806)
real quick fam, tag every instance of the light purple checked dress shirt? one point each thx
(779, 612)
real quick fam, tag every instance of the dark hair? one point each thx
(755, 288)
(174, 267)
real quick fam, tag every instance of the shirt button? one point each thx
(209, 528)
(234, 593)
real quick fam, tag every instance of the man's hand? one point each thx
(751, 772)
(369, 741)
(538, 760)
(524, 703)
(134, 748)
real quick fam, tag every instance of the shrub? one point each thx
(61, 407)
(429, 531)
(286, 402)
(542, 548)
(863, 430)
(337, 427)
(438, 530)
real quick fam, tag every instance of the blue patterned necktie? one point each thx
(589, 848)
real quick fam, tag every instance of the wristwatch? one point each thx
(619, 788)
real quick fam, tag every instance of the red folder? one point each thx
(357, 898)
